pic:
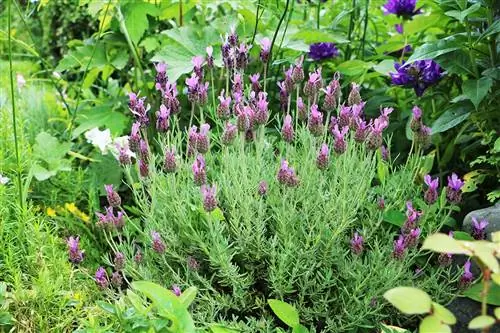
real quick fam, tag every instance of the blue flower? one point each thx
(419, 75)
(320, 51)
(404, 8)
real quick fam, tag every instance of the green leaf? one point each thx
(409, 300)
(444, 244)
(461, 235)
(106, 306)
(316, 36)
(188, 296)
(421, 23)
(300, 329)
(385, 67)
(474, 292)
(392, 329)
(49, 149)
(101, 116)
(432, 324)
(481, 322)
(452, 117)
(136, 18)
(222, 329)
(476, 90)
(435, 49)
(497, 313)
(285, 312)
(462, 15)
(137, 302)
(456, 62)
(492, 30)
(41, 173)
(354, 67)
(394, 217)
(445, 315)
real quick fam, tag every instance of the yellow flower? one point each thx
(51, 212)
(71, 207)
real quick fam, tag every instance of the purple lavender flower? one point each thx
(117, 279)
(313, 84)
(144, 150)
(143, 168)
(330, 101)
(170, 164)
(227, 58)
(245, 119)
(445, 259)
(254, 80)
(381, 203)
(287, 131)
(233, 37)
(119, 261)
(176, 290)
(170, 98)
(385, 152)
(192, 85)
(423, 136)
(357, 244)
(162, 118)
(229, 133)
(345, 114)
(223, 110)
(265, 48)
(113, 197)
(197, 62)
(298, 70)
(283, 95)
(301, 109)
(242, 56)
(467, 277)
(399, 28)
(139, 110)
(118, 220)
(124, 154)
(412, 217)
(210, 58)
(411, 239)
(399, 248)
(203, 139)
(325, 50)
(74, 252)
(263, 187)
(262, 112)
(479, 228)
(199, 170)
(101, 278)
(161, 75)
(157, 243)
(286, 175)
(416, 120)
(454, 189)
(315, 123)
(193, 263)
(323, 157)
(135, 138)
(404, 8)
(375, 137)
(418, 75)
(209, 200)
(340, 144)
(138, 257)
(354, 96)
(430, 196)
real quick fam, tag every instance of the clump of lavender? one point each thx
(170, 164)
(209, 197)
(401, 8)
(197, 91)
(161, 75)
(375, 139)
(467, 277)
(263, 187)
(287, 131)
(262, 112)
(112, 196)
(430, 196)
(199, 171)
(357, 244)
(286, 175)
(324, 50)
(454, 189)
(157, 243)
(74, 252)
(399, 248)
(418, 75)
(101, 278)
(340, 144)
(479, 228)
(323, 158)
(315, 123)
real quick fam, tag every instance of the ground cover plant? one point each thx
(260, 166)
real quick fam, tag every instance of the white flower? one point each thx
(100, 139)
(21, 82)
(4, 180)
(121, 142)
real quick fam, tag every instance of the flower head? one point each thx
(467, 276)
(411, 239)
(418, 75)
(286, 175)
(263, 187)
(75, 254)
(199, 170)
(323, 157)
(479, 228)
(325, 50)
(113, 197)
(223, 110)
(454, 189)
(229, 133)
(209, 197)
(404, 8)
(265, 48)
(157, 243)
(162, 118)
(431, 194)
(340, 144)
(315, 123)
(357, 244)
(176, 290)
(399, 248)
(119, 261)
(287, 131)
(354, 96)
(101, 278)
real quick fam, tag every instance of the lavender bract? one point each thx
(479, 228)
(431, 194)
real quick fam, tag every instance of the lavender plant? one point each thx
(246, 214)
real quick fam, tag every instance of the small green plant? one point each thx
(413, 301)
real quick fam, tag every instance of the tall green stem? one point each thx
(14, 121)
(367, 3)
(351, 28)
(276, 34)
(318, 10)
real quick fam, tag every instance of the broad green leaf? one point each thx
(445, 315)
(452, 117)
(385, 67)
(392, 329)
(409, 300)
(105, 171)
(497, 313)
(101, 116)
(484, 251)
(137, 302)
(496, 278)
(285, 312)
(49, 149)
(476, 90)
(394, 217)
(354, 67)
(492, 30)
(481, 322)
(106, 306)
(432, 324)
(421, 23)
(316, 36)
(444, 244)
(136, 18)
(395, 44)
(300, 329)
(41, 173)
(461, 235)
(456, 62)
(188, 296)
(435, 49)
(222, 329)
(462, 15)
(475, 291)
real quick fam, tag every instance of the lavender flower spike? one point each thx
(176, 290)
(479, 228)
(454, 189)
(101, 278)
(399, 248)
(357, 244)
(431, 194)
(209, 197)
(113, 197)
(265, 48)
(323, 157)
(75, 254)
(157, 243)
(287, 131)
(340, 144)
(315, 123)
(467, 277)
